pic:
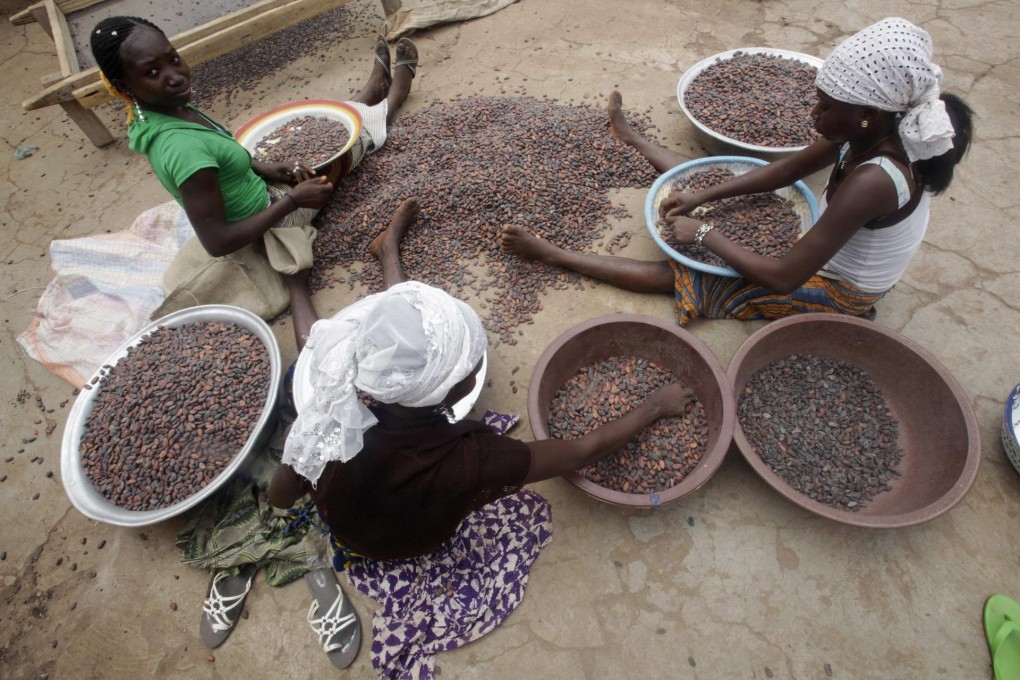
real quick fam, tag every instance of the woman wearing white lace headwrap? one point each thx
(394, 478)
(893, 139)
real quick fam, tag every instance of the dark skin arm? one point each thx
(554, 457)
(549, 457)
(845, 214)
(203, 203)
(776, 175)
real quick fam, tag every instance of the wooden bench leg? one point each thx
(89, 123)
(39, 13)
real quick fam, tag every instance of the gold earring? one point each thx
(864, 123)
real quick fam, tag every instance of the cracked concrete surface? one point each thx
(729, 582)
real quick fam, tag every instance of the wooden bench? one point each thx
(79, 91)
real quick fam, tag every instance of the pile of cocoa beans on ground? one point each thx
(248, 69)
(765, 223)
(475, 165)
(824, 427)
(758, 99)
(661, 456)
(310, 139)
(170, 415)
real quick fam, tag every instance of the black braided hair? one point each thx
(106, 39)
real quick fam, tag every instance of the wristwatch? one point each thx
(699, 235)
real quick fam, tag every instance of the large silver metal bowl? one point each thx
(717, 140)
(87, 499)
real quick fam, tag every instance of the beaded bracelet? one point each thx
(699, 236)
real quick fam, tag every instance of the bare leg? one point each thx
(640, 276)
(301, 306)
(403, 73)
(386, 246)
(377, 86)
(661, 159)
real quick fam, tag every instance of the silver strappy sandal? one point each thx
(223, 607)
(339, 628)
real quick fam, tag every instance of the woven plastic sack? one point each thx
(407, 16)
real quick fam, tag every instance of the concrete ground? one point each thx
(729, 582)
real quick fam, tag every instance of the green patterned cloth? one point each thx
(238, 526)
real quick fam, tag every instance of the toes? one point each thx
(407, 50)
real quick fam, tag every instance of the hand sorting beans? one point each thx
(765, 223)
(314, 138)
(475, 165)
(173, 412)
(758, 99)
(824, 427)
(661, 456)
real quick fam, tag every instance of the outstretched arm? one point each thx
(776, 175)
(554, 457)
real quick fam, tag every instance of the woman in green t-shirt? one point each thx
(251, 219)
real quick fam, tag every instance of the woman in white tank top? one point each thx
(893, 142)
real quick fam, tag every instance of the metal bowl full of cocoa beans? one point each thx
(767, 223)
(601, 369)
(315, 131)
(171, 415)
(752, 100)
(853, 422)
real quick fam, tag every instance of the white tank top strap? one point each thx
(899, 180)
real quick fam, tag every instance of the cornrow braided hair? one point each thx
(105, 41)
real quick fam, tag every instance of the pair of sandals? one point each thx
(407, 55)
(338, 629)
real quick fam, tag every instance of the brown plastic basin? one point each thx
(938, 429)
(663, 343)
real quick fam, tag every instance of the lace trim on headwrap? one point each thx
(888, 66)
(409, 345)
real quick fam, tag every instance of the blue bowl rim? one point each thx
(650, 216)
(1007, 414)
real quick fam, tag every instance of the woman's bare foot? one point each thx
(662, 159)
(387, 244)
(618, 126)
(514, 240)
(636, 275)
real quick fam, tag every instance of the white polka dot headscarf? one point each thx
(888, 66)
